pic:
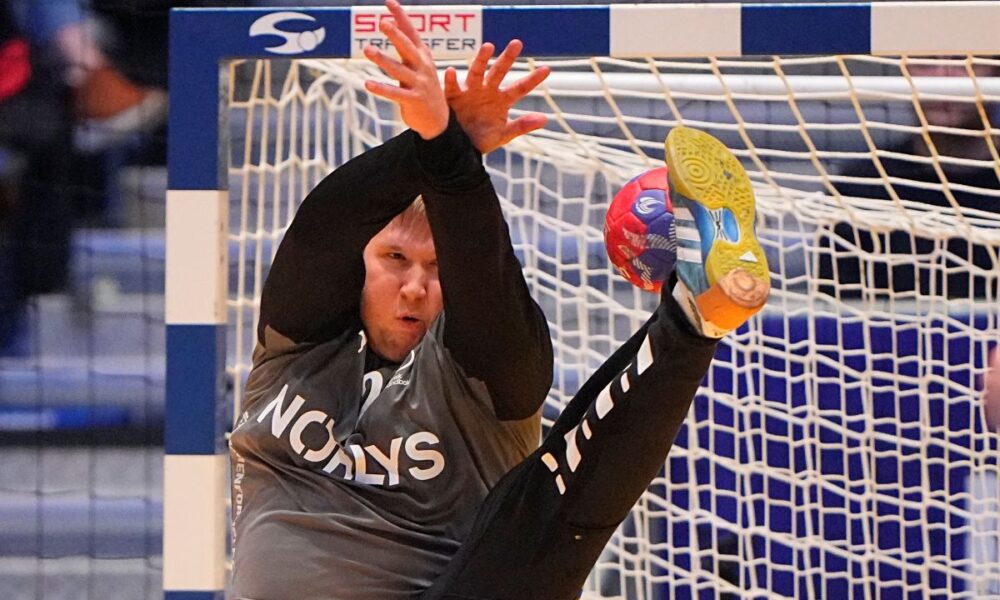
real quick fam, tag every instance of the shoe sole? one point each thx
(702, 170)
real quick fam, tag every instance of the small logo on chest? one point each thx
(397, 379)
(373, 384)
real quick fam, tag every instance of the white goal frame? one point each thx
(202, 41)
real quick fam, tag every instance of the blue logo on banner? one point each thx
(296, 42)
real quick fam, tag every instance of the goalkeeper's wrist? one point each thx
(450, 156)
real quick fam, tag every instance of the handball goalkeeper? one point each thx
(389, 444)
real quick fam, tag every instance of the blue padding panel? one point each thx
(199, 41)
(168, 595)
(806, 29)
(568, 31)
(195, 389)
(193, 130)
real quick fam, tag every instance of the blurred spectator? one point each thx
(68, 119)
(106, 102)
(973, 144)
(15, 72)
(36, 213)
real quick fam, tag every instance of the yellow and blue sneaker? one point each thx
(721, 268)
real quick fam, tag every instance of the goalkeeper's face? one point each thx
(402, 294)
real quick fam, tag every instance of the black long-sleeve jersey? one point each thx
(355, 478)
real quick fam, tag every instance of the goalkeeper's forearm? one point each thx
(314, 285)
(493, 327)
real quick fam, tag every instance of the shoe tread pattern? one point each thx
(703, 170)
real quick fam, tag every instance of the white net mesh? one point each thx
(837, 448)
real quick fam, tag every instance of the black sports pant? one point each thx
(544, 525)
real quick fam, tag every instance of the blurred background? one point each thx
(82, 151)
(83, 113)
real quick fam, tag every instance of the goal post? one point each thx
(829, 450)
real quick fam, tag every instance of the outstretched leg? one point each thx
(544, 525)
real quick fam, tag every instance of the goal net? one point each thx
(837, 447)
(829, 449)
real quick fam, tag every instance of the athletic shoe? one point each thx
(722, 272)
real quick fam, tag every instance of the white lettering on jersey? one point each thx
(243, 419)
(241, 469)
(238, 474)
(391, 462)
(340, 459)
(373, 383)
(361, 474)
(295, 437)
(384, 468)
(397, 377)
(279, 420)
(436, 458)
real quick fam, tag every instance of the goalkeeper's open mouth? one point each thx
(411, 322)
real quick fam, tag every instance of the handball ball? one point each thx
(639, 231)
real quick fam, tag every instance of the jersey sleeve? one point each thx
(313, 290)
(493, 329)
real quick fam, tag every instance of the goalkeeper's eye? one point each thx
(396, 256)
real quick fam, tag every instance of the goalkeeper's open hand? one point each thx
(482, 106)
(421, 101)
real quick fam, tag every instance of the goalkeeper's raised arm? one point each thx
(401, 361)
(314, 290)
(492, 326)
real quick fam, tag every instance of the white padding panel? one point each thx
(935, 27)
(194, 527)
(196, 257)
(675, 30)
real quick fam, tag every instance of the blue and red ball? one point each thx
(639, 230)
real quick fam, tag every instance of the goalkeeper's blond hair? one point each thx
(414, 215)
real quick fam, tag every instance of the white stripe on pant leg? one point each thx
(572, 450)
(194, 522)
(645, 356)
(604, 402)
(550, 461)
